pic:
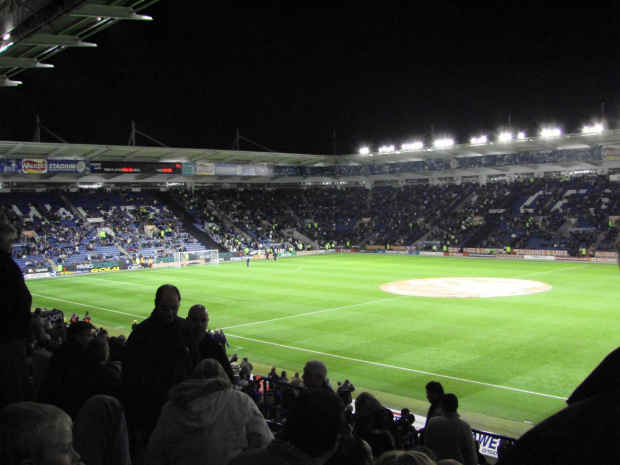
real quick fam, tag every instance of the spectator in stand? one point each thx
(409, 434)
(315, 375)
(65, 369)
(309, 436)
(206, 421)
(117, 347)
(100, 432)
(160, 353)
(198, 316)
(273, 378)
(352, 451)
(246, 368)
(434, 394)
(449, 437)
(296, 380)
(37, 331)
(374, 424)
(14, 323)
(344, 392)
(236, 370)
(37, 434)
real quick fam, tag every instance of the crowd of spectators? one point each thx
(565, 213)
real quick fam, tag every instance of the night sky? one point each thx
(289, 74)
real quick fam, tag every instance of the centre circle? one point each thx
(465, 287)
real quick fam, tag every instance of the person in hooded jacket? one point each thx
(206, 421)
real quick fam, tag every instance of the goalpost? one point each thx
(196, 257)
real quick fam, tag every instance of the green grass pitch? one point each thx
(514, 358)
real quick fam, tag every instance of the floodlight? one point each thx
(387, 149)
(596, 129)
(521, 135)
(364, 151)
(479, 140)
(505, 137)
(441, 143)
(6, 36)
(550, 132)
(412, 146)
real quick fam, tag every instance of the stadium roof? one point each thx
(97, 153)
(103, 153)
(33, 31)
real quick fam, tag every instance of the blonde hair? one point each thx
(404, 457)
(27, 429)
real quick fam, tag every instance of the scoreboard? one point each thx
(136, 167)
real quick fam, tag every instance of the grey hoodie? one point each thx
(206, 422)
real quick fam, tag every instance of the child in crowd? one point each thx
(36, 434)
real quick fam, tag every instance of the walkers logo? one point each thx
(34, 166)
(611, 153)
(205, 168)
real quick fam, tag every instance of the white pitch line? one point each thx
(90, 306)
(115, 282)
(410, 370)
(239, 270)
(552, 271)
(314, 313)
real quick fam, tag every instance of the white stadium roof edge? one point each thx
(135, 154)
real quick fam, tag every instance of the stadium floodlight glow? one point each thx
(4, 47)
(412, 146)
(521, 135)
(387, 149)
(551, 132)
(442, 143)
(479, 140)
(505, 137)
(364, 151)
(6, 36)
(596, 129)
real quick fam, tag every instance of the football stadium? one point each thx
(487, 265)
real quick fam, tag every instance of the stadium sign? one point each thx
(109, 268)
(43, 166)
(38, 275)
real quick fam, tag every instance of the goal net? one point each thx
(196, 257)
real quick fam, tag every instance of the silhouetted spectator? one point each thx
(160, 353)
(434, 394)
(14, 323)
(310, 434)
(449, 436)
(198, 316)
(374, 424)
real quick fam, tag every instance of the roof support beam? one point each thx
(6, 82)
(51, 40)
(106, 11)
(22, 63)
